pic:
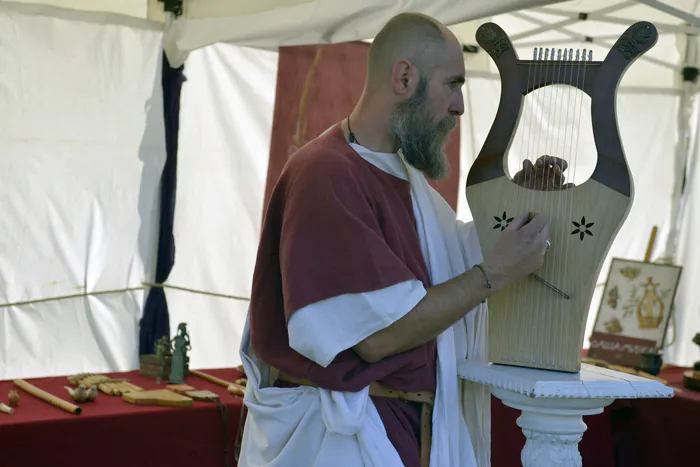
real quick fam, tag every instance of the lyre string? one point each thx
(554, 265)
(560, 317)
(550, 266)
(523, 154)
(553, 327)
(552, 149)
(541, 197)
(521, 308)
(569, 194)
(538, 197)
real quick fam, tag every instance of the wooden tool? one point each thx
(109, 386)
(233, 388)
(236, 390)
(47, 397)
(203, 395)
(179, 388)
(158, 397)
(650, 245)
(540, 321)
(210, 378)
(6, 409)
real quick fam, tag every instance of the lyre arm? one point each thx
(600, 83)
(611, 168)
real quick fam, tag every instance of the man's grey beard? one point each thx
(422, 141)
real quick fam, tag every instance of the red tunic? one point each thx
(336, 224)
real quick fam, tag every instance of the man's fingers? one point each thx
(525, 176)
(543, 234)
(518, 222)
(547, 160)
(536, 224)
(528, 171)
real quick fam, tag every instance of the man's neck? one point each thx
(369, 125)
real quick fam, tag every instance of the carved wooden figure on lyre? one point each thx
(540, 321)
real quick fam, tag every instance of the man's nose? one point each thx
(457, 105)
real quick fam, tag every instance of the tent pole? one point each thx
(574, 14)
(685, 16)
(683, 148)
(546, 26)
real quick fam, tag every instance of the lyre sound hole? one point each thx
(555, 121)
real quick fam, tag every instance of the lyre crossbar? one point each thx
(540, 321)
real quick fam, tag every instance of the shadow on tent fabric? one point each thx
(155, 322)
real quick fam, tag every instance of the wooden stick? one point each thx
(6, 408)
(650, 245)
(134, 387)
(210, 378)
(236, 390)
(46, 397)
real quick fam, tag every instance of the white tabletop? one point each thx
(592, 382)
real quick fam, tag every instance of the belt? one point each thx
(426, 398)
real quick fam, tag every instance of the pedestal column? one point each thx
(553, 428)
(553, 404)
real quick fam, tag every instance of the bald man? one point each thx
(367, 290)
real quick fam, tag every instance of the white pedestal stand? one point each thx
(552, 404)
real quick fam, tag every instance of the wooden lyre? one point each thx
(540, 321)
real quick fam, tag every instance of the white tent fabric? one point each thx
(225, 126)
(275, 23)
(81, 131)
(78, 225)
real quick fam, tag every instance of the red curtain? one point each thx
(318, 86)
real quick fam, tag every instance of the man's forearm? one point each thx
(442, 306)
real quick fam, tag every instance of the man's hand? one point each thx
(520, 250)
(547, 174)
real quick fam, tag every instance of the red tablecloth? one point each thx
(658, 432)
(113, 433)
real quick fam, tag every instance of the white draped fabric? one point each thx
(82, 151)
(312, 426)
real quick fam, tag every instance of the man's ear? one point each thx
(404, 77)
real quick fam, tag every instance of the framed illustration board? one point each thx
(634, 311)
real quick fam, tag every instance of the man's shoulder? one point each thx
(324, 157)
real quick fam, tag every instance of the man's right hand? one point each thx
(519, 251)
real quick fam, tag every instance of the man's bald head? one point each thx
(414, 37)
(414, 78)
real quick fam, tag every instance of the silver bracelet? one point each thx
(488, 282)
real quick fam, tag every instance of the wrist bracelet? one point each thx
(488, 282)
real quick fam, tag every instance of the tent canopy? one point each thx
(99, 145)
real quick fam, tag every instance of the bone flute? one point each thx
(210, 378)
(47, 397)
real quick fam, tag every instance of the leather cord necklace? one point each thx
(352, 135)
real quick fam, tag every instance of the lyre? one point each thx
(540, 321)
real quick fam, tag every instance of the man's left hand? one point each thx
(546, 174)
